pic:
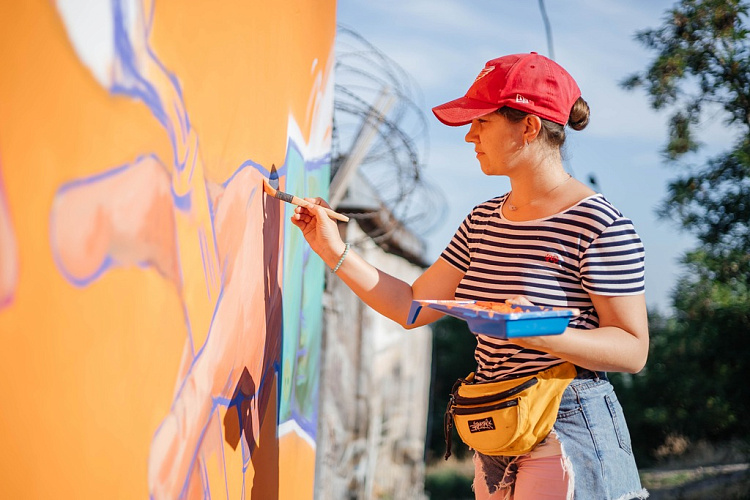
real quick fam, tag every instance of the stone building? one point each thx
(376, 375)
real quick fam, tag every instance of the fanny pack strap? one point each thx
(448, 430)
(448, 416)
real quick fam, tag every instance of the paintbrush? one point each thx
(271, 187)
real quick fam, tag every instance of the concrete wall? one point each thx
(375, 392)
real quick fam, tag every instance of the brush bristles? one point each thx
(270, 191)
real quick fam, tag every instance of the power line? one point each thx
(548, 30)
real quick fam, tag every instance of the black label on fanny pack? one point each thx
(485, 424)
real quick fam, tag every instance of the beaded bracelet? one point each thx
(341, 260)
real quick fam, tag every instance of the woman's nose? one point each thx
(471, 135)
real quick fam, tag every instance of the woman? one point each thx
(549, 241)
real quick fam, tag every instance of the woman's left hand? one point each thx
(619, 343)
(520, 300)
(532, 341)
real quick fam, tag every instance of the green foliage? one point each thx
(713, 202)
(448, 485)
(702, 58)
(702, 65)
(452, 358)
(696, 381)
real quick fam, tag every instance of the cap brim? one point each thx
(462, 110)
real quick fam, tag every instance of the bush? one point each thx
(448, 484)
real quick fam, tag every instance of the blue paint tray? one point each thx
(484, 319)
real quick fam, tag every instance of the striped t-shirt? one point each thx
(554, 261)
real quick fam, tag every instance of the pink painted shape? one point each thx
(8, 252)
(123, 217)
(245, 332)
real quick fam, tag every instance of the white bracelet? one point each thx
(343, 256)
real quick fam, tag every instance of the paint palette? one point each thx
(499, 319)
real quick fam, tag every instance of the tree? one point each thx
(693, 385)
(703, 63)
(695, 382)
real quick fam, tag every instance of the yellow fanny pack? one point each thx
(509, 417)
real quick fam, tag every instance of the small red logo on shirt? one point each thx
(553, 258)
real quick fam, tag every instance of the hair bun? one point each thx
(579, 115)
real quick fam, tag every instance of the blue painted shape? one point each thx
(414, 310)
(304, 275)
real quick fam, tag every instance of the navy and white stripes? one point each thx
(555, 261)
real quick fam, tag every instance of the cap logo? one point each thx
(521, 99)
(487, 70)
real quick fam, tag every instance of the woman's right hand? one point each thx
(320, 231)
(388, 295)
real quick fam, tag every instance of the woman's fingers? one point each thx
(322, 214)
(520, 300)
(312, 214)
(318, 201)
(303, 214)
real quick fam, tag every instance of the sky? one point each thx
(443, 44)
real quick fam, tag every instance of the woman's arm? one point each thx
(620, 344)
(392, 297)
(386, 294)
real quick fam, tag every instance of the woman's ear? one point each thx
(532, 127)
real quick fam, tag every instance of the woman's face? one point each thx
(497, 142)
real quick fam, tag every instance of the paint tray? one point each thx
(483, 317)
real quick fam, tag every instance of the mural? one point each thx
(146, 277)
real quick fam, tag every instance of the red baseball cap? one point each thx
(526, 82)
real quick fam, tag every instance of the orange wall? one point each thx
(127, 317)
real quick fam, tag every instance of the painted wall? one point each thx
(159, 317)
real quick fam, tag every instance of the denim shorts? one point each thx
(595, 439)
(595, 443)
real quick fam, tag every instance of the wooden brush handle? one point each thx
(303, 203)
(289, 198)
